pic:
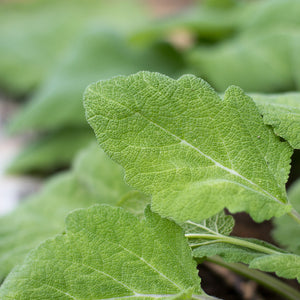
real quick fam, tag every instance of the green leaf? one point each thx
(192, 151)
(220, 224)
(107, 253)
(285, 265)
(286, 230)
(211, 237)
(50, 152)
(231, 249)
(43, 215)
(282, 112)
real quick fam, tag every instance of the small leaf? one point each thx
(210, 238)
(287, 231)
(282, 112)
(193, 152)
(218, 224)
(108, 253)
(284, 265)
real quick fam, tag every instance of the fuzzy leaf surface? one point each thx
(282, 112)
(287, 231)
(42, 216)
(192, 151)
(218, 224)
(85, 262)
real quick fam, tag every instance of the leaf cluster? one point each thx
(187, 152)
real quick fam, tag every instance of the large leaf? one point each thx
(43, 215)
(286, 231)
(98, 54)
(282, 111)
(107, 253)
(52, 151)
(192, 151)
(219, 224)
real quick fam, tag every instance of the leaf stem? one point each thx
(263, 279)
(295, 215)
(231, 240)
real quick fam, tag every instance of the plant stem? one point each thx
(263, 279)
(295, 215)
(232, 240)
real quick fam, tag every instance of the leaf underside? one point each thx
(192, 151)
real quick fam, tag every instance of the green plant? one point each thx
(190, 153)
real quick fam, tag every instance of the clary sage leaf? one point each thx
(193, 152)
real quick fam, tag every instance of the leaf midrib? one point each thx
(182, 141)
